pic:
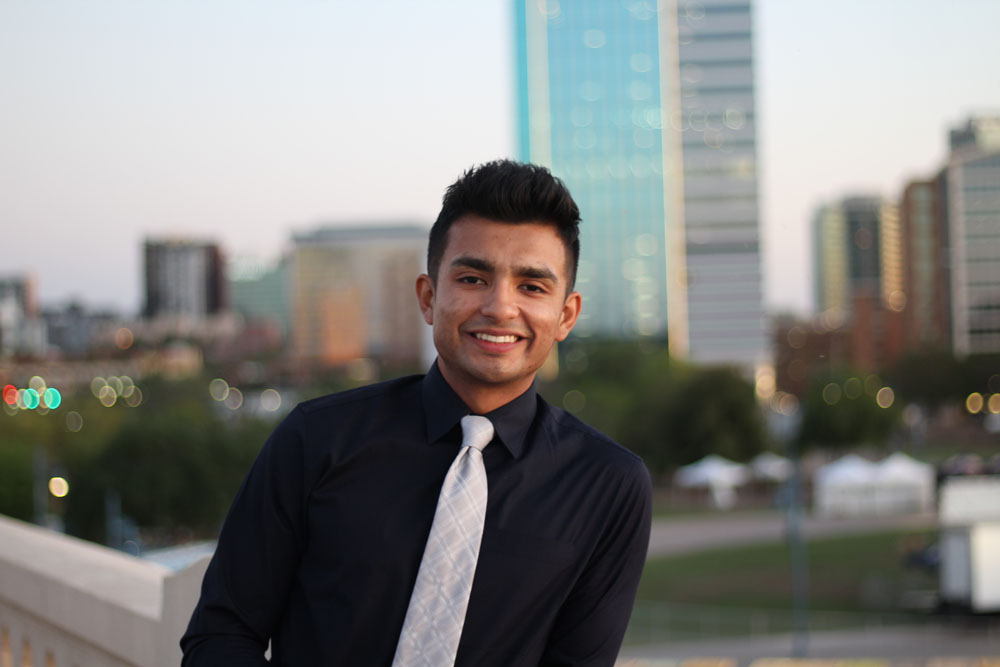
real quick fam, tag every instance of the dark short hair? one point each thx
(511, 192)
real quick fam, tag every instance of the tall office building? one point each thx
(260, 292)
(184, 279)
(973, 200)
(859, 276)
(857, 251)
(646, 111)
(924, 231)
(352, 295)
(22, 330)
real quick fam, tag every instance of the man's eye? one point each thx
(533, 288)
(471, 280)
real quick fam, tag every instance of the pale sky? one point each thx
(241, 121)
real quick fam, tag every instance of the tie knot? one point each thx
(476, 431)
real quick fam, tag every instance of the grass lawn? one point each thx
(855, 573)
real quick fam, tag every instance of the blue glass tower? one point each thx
(646, 111)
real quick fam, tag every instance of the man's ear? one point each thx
(425, 297)
(570, 313)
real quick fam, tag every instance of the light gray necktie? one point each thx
(440, 597)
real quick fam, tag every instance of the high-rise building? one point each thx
(352, 295)
(859, 278)
(22, 330)
(260, 292)
(973, 204)
(184, 279)
(646, 111)
(857, 250)
(924, 231)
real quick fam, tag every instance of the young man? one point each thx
(330, 549)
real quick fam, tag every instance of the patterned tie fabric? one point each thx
(440, 597)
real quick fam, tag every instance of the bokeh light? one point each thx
(765, 383)
(852, 388)
(31, 399)
(74, 421)
(10, 394)
(96, 385)
(270, 400)
(796, 338)
(974, 402)
(124, 338)
(37, 383)
(574, 400)
(831, 393)
(107, 396)
(116, 384)
(133, 398)
(234, 399)
(128, 386)
(52, 399)
(218, 389)
(885, 397)
(788, 404)
(994, 404)
(58, 487)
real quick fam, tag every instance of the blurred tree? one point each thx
(841, 410)
(668, 412)
(16, 497)
(929, 377)
(175, 464)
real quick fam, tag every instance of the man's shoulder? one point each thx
(350, 399)
(587, 441)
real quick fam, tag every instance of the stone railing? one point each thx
(65, 602)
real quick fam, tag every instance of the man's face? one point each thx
(499, 303)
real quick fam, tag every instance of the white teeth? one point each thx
(496, 339)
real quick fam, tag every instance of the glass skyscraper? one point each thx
(646, 111)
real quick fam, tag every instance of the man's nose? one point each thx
(501, 302)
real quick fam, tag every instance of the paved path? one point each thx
(697, 533)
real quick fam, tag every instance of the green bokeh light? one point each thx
(31, 399)
(52, 398)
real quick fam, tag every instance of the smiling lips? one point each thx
(490, 338)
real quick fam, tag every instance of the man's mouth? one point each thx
(490, 338)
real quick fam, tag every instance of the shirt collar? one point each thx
(444, 409)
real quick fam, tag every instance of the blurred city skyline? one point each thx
(243, 123)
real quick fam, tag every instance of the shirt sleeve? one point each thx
(591, 624)
(247, 582)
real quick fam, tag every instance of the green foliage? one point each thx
(929, 377)
(933, 377)
(667, 412)
(175, 461)
(15, 476)
(841, 411)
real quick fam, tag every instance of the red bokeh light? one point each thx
(10, 394)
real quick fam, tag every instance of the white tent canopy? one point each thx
(719, 475)
(770, 467)
(853, 486)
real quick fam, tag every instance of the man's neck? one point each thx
(484, 398)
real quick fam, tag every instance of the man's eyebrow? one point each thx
(536, 272)
(473, 263)
(479, 264)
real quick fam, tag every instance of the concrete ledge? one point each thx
(83, 603)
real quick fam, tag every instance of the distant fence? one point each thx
(658, 622)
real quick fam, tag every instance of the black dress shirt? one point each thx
(320, 550)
